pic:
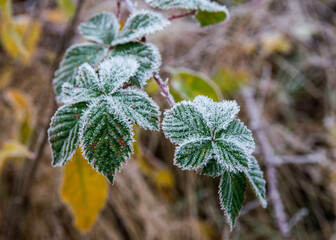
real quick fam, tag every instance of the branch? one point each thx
(164, 89)
(182, 15)
(28, 172)
(269, 155)
(130, 6)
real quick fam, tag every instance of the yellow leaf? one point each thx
(84, 190)
(164, 178)
(275, 42)
(13, 149)
(5, 76)
(23, 112)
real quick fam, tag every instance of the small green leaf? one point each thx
(231, 156)
(189, 84)
(139, 107)
(206, 18)
(209, 12)
(193, 154)
(115, 72)
(146, 54)
(75, 56)
(238, 133)
(231, 194)
(102, 28)
(256, 178)
(140, 24)
(64, 132)
(185, 123)
(106, 138)
(217, 114)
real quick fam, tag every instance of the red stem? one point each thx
(164, 89)
(182, 15)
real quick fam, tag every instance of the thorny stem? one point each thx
(182, 15)
(29, 172)
(164, 89)
(269, 155)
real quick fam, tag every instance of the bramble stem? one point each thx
(182, 15)
(269, 155)
(164, 89)
(118, 14)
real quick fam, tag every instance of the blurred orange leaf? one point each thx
(85, 191)
(273, 42)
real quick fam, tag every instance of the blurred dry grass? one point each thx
(287, 48)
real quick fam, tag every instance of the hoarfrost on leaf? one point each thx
(231, 194)
(101, 28)
(140, 24)
(203, 120)
(104, 129)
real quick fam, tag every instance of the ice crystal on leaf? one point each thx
(99, 113)
(103, 30)
(209, 138)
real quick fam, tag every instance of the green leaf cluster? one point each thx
(106, 40)
(210, 139)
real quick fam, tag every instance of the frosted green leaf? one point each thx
(256, 178)
(140, 24)
(213, 168)
(64, 132)
(102, 28)
(231, 156)
(138, 107)
(206, 9)
(231, 194)
(86, 86)
(203, 119)
(185, 123)
(106, 138)
(193, 154)
(71, 94)
(115, 72)
(74, 57)
(217, 114)
(238, 133)
(146, 54)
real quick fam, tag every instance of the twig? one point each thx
(182, 15)
(118, 9)
(297, 218)
(130, 6)
(301, 159)
(164, 89)
(269, 155)
(28, 175)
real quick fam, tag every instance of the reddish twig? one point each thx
(270, 157)
(118, 14)
(164, 89)
(182, 15)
